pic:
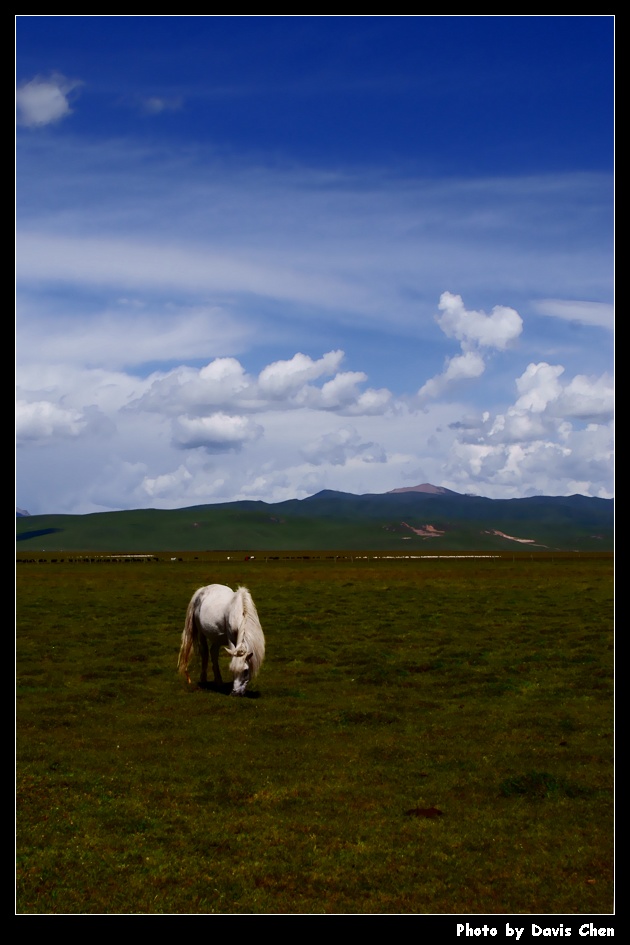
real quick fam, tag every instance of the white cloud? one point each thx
(44, 101)
(269, 484)
(41, 421)
(460, 368)
(537, 445)
(223, 383)
(335, 394)
(368, 247)
(582, 398)
(216, 434)
(283, 385)
(284, 378)
(146, 264)
(473, 330)
(224, 372)
(71, 386)
(464, 366)
(545, 407)
(169, 485)
(536, 442)
(497, 330)
(128, 259)
(370, 403)
(115, 339)
(339, 447)
(538, 386)
(599, 314)
(588, 399)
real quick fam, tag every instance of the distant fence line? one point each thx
(92, 559)
(222, 556)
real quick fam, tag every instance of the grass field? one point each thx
(426, 736)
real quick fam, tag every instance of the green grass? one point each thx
(482, 688)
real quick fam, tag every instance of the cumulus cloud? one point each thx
(582, 398)
(224, 384)
(218, 433)
(461, 367)
(337, 393)
(589, 399)
(283, 378)
(124, 484)
(268, 484)
(255, 259)
(221, 384)
(473, 330)
(543, 436)
(339, 447)
(224, 372)
(169, 485)
(545, 407)
(580, 464)
(497, 330)
(41, 421)
(370, 403)
(44, 101)
(599, 314)
(538, 386)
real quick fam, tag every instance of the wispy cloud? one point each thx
(599, 314)
(125, 336)
(239, 282)
(355, 242)
(156, 105)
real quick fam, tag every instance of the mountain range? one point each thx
(422, 518)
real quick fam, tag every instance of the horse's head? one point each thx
(240, 668)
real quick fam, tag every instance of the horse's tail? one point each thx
(250, 631)
(189, 638)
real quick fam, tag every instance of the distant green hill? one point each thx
(336, 520)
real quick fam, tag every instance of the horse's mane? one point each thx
(250, 634)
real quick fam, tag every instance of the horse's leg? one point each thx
(214, 650)
(203, 650)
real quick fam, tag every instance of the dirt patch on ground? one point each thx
(426, 531)
(522, 541)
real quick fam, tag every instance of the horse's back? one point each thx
(212, 607)
(216, 592)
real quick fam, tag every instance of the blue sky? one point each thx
(262, 256)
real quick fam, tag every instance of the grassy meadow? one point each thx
(426, 736)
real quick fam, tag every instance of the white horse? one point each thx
(218, 615)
